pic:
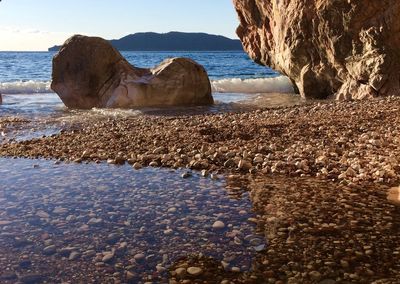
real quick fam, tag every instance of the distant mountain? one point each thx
(173, 41)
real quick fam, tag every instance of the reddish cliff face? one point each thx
(340, 48)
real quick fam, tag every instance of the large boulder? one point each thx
(88, 72)
(345, 49)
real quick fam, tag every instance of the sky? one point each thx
(35, 25)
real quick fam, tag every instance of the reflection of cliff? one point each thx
(346, 49)
(173, 41)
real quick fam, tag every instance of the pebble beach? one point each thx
(303, 191)
(349, 142)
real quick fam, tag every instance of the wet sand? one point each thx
(317, 174)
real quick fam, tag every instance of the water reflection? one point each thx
(102, 223)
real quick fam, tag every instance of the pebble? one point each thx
(259, 248)
(172, 210)
(130, 275)
(49, 250)
(180, 272)
(108, 257)
(218, 225)
(137, 166)
(24, 264)
(74, 255)
(394, 195)
(315, 275)
(186, 175)
(235, 269)
(194, 271)
(43, 214)
(139, 256)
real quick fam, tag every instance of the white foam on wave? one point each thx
(280, 84)
(115, 112)
(25, 87)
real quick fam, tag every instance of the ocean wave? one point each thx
(280, 84)
(25, 87)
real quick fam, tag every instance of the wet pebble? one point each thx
(218, 225)
(194, 271)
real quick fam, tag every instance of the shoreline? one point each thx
(355, 142)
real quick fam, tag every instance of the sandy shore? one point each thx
(329, 223)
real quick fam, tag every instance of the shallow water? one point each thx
(45, 114)
(93, 209)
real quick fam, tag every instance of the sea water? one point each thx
(234, 76)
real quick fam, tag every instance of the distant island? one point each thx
(173, 41)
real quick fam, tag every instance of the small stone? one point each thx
(130, 275)
(24, 264)
(49, 250)
(225, 264)
(153, 164)
(245, 165)
(230, 163)
(214, 176)
(139, 256)
(160, 269)
(95, 221)
(112, 238)
(235, 269)
(394, 196)
(218, 225)
(186, 175)
(344, 263)
(137, 166)
(259, 248)
(194, 271)
(180, 272)
(42, 214)
(60, 210)
(315, 275)
(74, 256)
(172, 210)
(108, 257)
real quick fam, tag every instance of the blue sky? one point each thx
(38, 24)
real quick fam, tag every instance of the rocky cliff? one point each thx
(345, 49)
